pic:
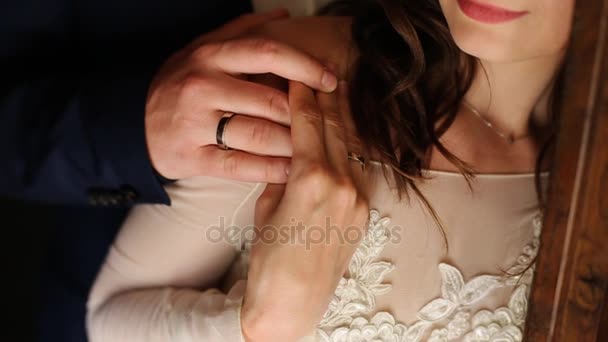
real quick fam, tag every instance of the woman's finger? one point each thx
(353, 143)
(259, 136)
(333, 132)
(268, 202)
(350, 131)
(306, 124)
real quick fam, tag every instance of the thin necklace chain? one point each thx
(510, 138)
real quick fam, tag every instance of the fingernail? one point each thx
(329, 80)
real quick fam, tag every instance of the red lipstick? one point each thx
(489, 14)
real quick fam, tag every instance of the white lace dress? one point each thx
(169, 278)
(447, 317)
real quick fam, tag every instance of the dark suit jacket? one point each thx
(73, 84)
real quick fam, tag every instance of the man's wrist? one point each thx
(162, 179)
(115, 108)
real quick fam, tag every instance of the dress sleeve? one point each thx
(160, 281)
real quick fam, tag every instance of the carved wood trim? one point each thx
(568, 296)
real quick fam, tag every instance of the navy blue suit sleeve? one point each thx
(77, 138)
(74, 77)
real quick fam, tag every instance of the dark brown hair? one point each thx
(411, 77)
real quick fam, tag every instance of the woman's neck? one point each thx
(507, 94)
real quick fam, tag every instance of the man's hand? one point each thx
(202, 82)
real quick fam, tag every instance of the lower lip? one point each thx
(487, 13)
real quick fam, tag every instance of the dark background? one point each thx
(73, 78)
(25, 234)
(50, 257)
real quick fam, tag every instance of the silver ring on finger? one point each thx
(220, 134)
(358, 158)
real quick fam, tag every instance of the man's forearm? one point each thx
(82, 145)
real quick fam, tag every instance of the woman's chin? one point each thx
(487, 48)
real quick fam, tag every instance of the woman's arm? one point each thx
(157, 282)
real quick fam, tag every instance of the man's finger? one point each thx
(261, 56)
(242, 97)
(258, 136)
(268, 202)
(239, 165)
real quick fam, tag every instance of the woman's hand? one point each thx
(308, 230)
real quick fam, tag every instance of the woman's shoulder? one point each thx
(327, 38)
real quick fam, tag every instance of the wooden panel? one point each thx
(569, 290)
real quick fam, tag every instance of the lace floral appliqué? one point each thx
(445, 318)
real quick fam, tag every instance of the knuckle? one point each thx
(190, 80)
(190, 83)
(316, 179)
(332, 118)
(265, 48)
(230, 164)
(204, 51)
(361, 207)
(261, 133)
(344, 191)
(309, 111)
(195, 85)
(277, 102)
(275, 172)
